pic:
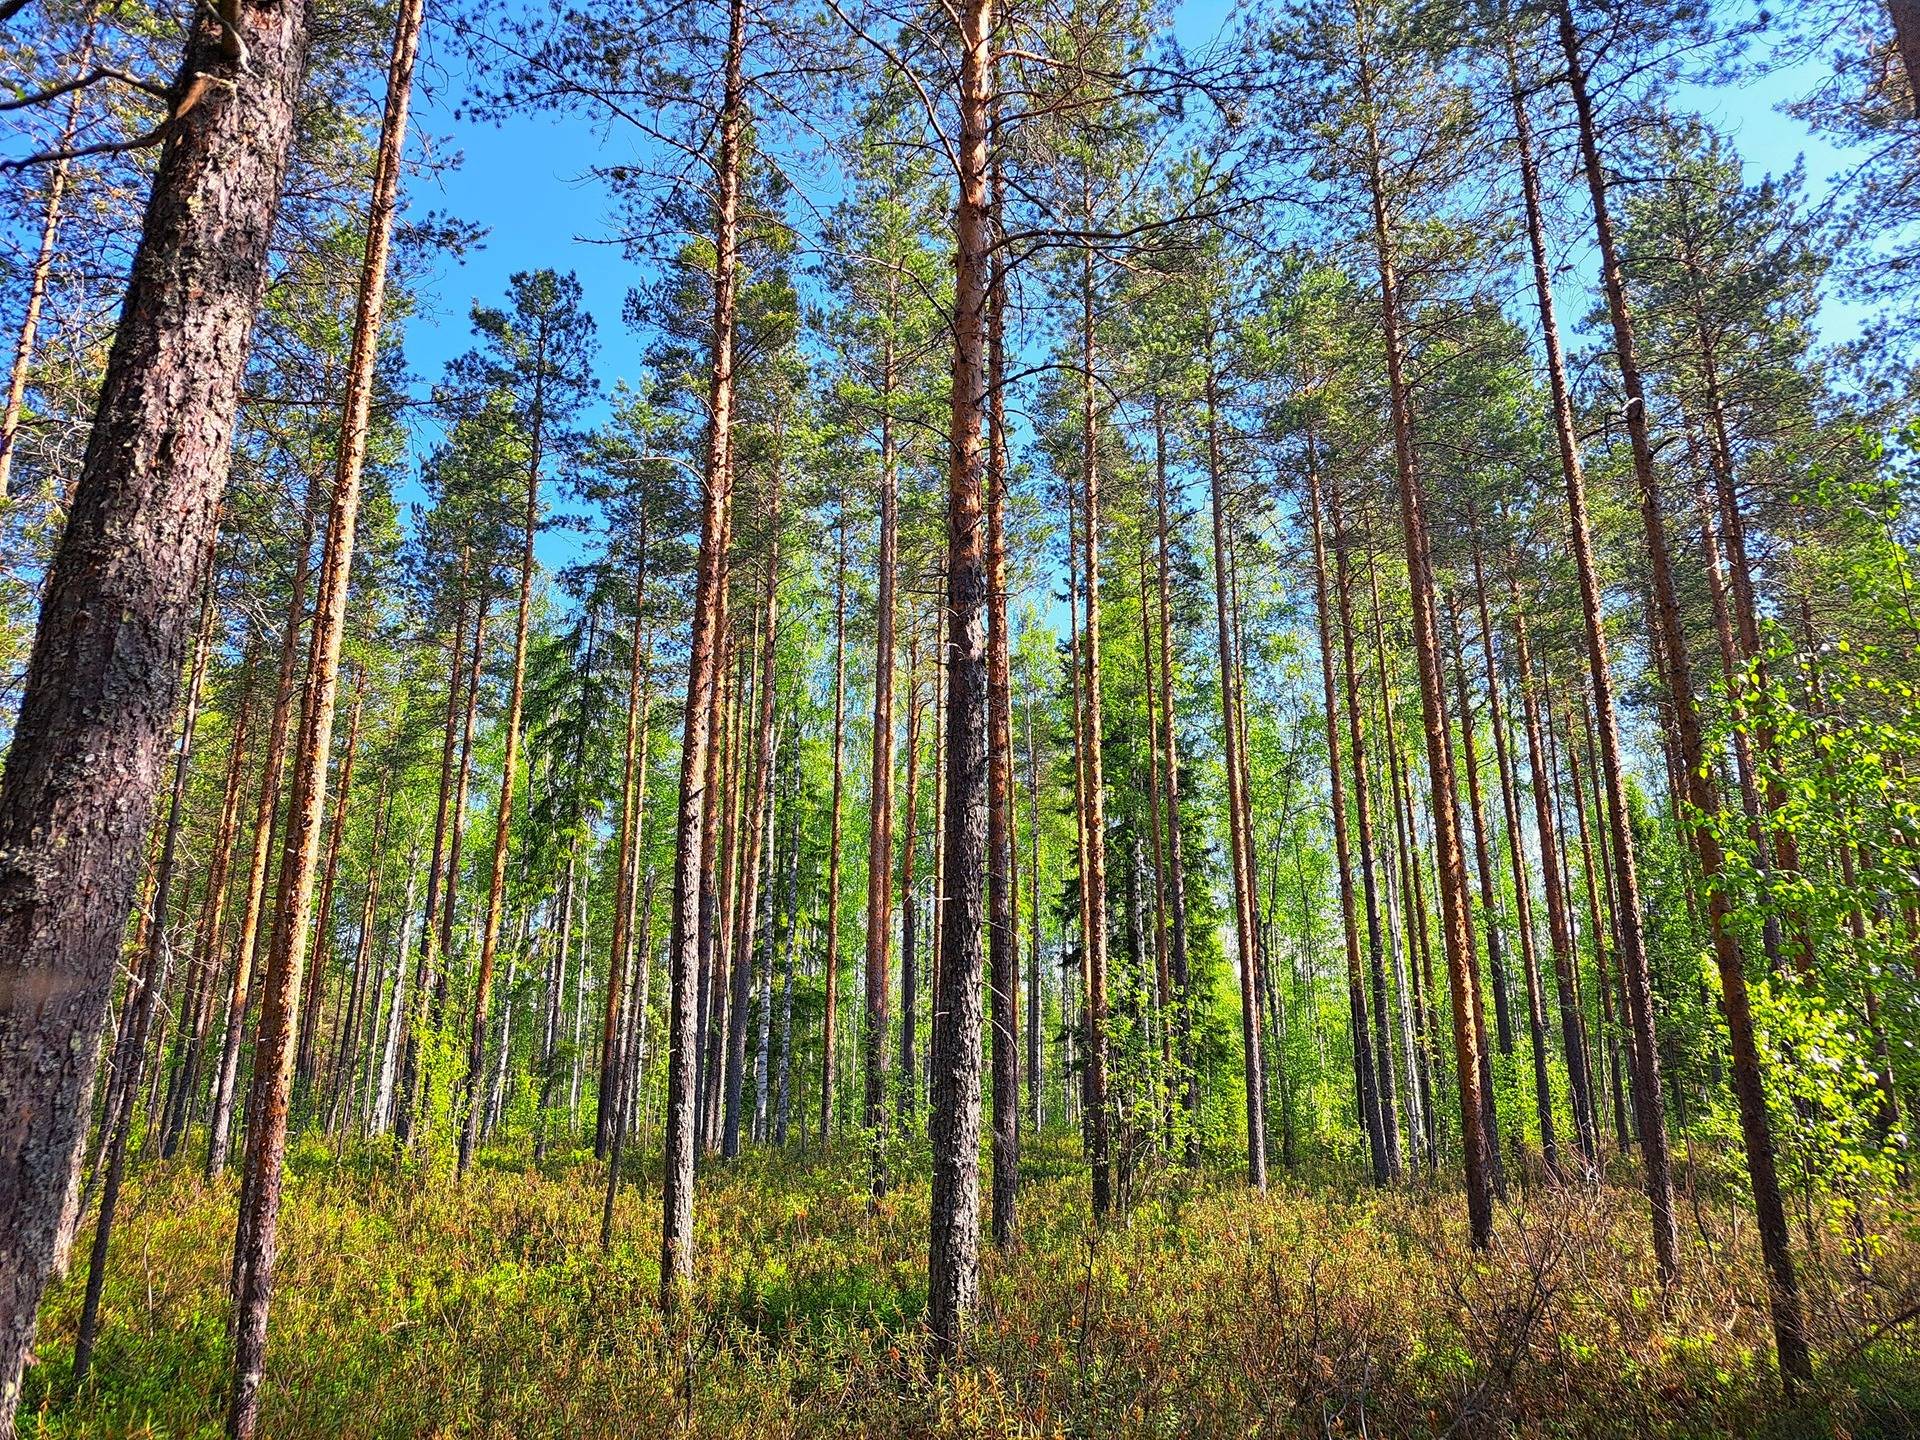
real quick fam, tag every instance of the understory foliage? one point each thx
(412, 1306)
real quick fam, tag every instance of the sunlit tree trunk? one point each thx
(509, 779)
(266, 811)
(953, 1267)
(1092, 730)
(306, 1058)
(1649, 1102)
(256, 1245)
(909, 1077)
(879, 965)
(758, 838)
(1455, 902)
(143, 987)
(1790, 1338)
(690, 823)
(41, 274)
(1003, 900)
(429, 929)
(213, 909)
(633, 763)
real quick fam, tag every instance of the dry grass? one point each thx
(409, 1306)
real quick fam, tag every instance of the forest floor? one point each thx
(408, 1305)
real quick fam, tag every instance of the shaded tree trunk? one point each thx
(1365, 1096)
(1243, 878)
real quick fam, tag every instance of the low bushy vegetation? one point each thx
(409, 1306)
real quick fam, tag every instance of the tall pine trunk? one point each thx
(830, 1008)
(275, 1053)
(1648, 1100)
(1455, 901)
(1003, 936)
(953, 1259)
(1790, 1338)
(266, 811)
(690, 823)
(879, 966)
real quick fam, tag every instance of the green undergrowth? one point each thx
(411, 1305)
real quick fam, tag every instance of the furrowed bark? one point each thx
(953, 1262)
(105, 670)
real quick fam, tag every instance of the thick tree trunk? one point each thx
(1003, 936)
(953, 1261)
(143, 990)
(1790, 1337)
(1906, 37)
(683, 961)
(106, 664)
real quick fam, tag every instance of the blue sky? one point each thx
(523, 181)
